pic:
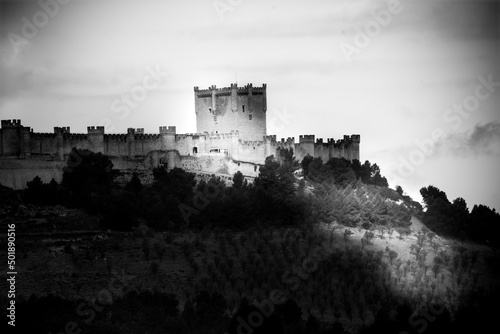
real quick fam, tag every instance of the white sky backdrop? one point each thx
(393, 93)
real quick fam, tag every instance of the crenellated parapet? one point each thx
(270, 139)
(147, 137)
(287, 141)
(346, 141)
(14, 123)
(227, 90)
(167, 130)
(114, 137)
(76, 136)
(42, 135)
(62, 130)
(306, 139)
(95, 130)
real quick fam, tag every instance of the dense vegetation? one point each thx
(481, 224)
(345, 191)
(249, 239)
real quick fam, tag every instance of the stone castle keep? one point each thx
(231, 125)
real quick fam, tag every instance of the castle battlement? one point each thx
(42, 135)
(15, 123)
(306, 139)
(95, 130)
(270, 139)
(167, 130)
(228, 90)
(289, 140)
(147, 136)
(75, 136)
(64, 129)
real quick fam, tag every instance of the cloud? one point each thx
(482, 140)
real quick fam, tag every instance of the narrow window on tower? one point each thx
(243, 106)
(210, 109)
(250, 117)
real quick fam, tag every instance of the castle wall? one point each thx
(218, 164)
(115, 145)
(79, 141)
(15, 173)
(251, 151)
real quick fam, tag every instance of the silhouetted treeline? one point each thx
(342, 171)
(346, 191)
(481, 224)
(175, 199)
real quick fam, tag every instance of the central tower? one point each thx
(242, 109)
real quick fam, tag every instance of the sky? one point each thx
(418, 80)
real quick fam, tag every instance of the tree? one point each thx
(87, 173)
(39, 193)
(399, 190)
(347, 234)
(430, 194)
(305, 164)
(377, 178)
(238, 179)
(134, 185)
(392, 255)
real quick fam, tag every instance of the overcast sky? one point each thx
(328, 64)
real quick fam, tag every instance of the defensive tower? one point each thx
(222, 110)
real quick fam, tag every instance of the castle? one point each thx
(231, 135)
